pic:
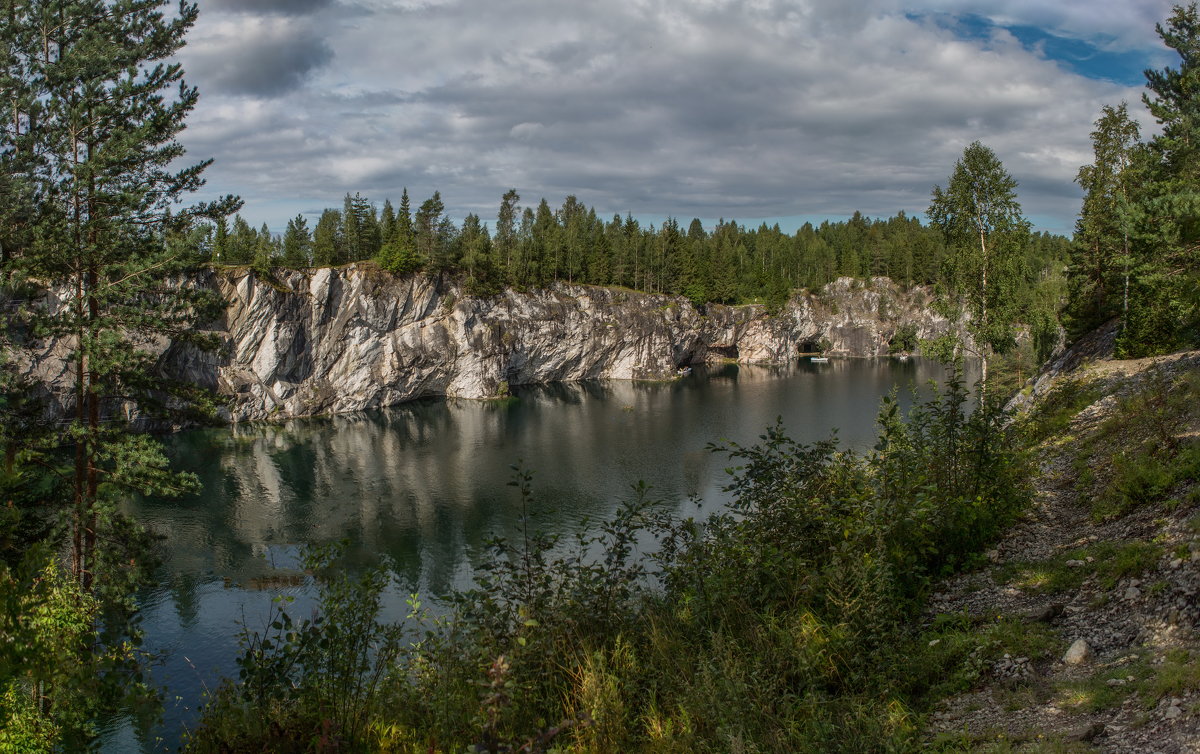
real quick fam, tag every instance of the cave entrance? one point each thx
(724, 352)
(810, 347)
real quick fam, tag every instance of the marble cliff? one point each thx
(343, 339)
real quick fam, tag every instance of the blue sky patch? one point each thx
(1086, 58)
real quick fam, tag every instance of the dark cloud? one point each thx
(262, 58)
(709, 108)
(260, 7)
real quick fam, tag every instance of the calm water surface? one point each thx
(422, 486)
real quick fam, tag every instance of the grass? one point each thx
(1002, 742)
(1178, 674)
(1144, 477)
(1096, 694)
(1059, 407)
(956, 651)
(1136, 456)
(1110, 563)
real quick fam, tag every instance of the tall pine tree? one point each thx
(100, 102)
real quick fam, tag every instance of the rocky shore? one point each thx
(1092, 602)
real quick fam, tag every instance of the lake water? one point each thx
(422, 486)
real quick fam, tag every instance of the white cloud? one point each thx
(713, 108)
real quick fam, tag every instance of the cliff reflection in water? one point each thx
(422, 487)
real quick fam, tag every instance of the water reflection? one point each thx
(422, 486)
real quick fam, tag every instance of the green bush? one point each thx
(398, 258)
(780, 624)
(904, 340)
(319, 679)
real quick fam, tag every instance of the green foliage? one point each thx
(398, 258)
(537, 246)
(57, 673)
(1101, 253)
(1138, 240)
(954, 653)
(1178, 675)
(1056, 410)
(329, 247)
(981, 220)
(312, 681)
(1140, 455)
(1108, 561)
(297, 244)
(904, 340)
(100, 234)
(1145, 477)
(779, 625)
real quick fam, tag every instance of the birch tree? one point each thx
(980, 217)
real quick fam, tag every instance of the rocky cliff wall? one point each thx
(352, 338)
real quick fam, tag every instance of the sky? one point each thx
(756, 110)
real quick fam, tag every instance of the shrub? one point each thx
(778, 625)
(398, 258)
(904, 340)
(321, 678)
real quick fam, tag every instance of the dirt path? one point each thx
(1127, 585)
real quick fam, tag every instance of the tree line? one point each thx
(535, 246)
(1136, 254)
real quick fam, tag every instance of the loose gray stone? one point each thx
(1079, 653)
(1046, 613)
(1084, 732)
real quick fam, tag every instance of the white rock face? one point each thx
(352, 338)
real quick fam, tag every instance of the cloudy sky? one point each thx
(779, 109)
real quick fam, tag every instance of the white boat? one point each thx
(818, 359)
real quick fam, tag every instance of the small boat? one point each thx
(818, 359)
(683, 371)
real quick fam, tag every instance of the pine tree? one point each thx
(387, 223)
(327, 240)
(1164, 298)
(98, 100)
(264, 251)
(105, 133)
(404, 222)
(241, 243)
(483, 277)
(506, 232)
(297, 244)
(1102, 233)
(426, 228)
(220, 247)
(360, 229)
